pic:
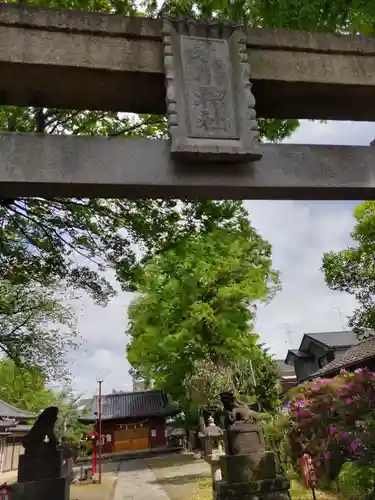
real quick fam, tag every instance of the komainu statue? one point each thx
(41, 436)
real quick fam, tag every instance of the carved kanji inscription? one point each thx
(208, 88)
(210, 107)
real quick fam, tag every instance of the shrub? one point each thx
(357, 482)
(332, 420)
(276, 428)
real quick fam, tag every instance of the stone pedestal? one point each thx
(40, 477)
(254, 467)
(266, 489)
(49, 489)
(40, 466)
(249, 472)
(244, 439)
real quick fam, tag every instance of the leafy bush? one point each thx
(333, 421)
(275, 428)
(357, 482)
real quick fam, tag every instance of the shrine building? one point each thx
(131, 421)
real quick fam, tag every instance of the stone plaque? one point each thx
(208, 90)
(210, 106)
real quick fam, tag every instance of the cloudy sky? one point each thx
(300, 232)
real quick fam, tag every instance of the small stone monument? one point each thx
(212, 437)
(40, 468)
(249, 471)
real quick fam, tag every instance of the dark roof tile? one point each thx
(335, 339)
(298, 353)
(356, 354)
(9, 411)
(131, 405)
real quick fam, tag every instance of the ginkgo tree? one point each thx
(198, 302)
(47, 240)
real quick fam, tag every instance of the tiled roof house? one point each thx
(318, 350)
(361, 355)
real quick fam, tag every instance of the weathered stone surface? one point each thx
(244, 438)
(40, 466)
(49, 489)
(208, 88)
(89, 60)
(48, 166)
(244, 432)
(253, 467)
(210, 107)
(273, 489)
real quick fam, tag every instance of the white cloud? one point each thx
(300, 232)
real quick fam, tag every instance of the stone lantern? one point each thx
(213, 439)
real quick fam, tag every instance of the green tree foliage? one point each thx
(254, 382)
(35, 328)
(257, 382)
(68, 424)
(352, 270)
(26, 389)
(275, 428)
(40, 237)
(205, 382)
(341, 16)
(199, 302)
(357, 482)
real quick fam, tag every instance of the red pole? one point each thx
(93, 460)
(100, 430)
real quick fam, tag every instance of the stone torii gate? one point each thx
(199, 75)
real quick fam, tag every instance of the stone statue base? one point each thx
(38, 466)
(49, 489)
(249, 472)
(266, 489)
(244, 438)
(254, 467)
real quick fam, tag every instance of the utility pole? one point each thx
(338, 309)
(100, 430)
